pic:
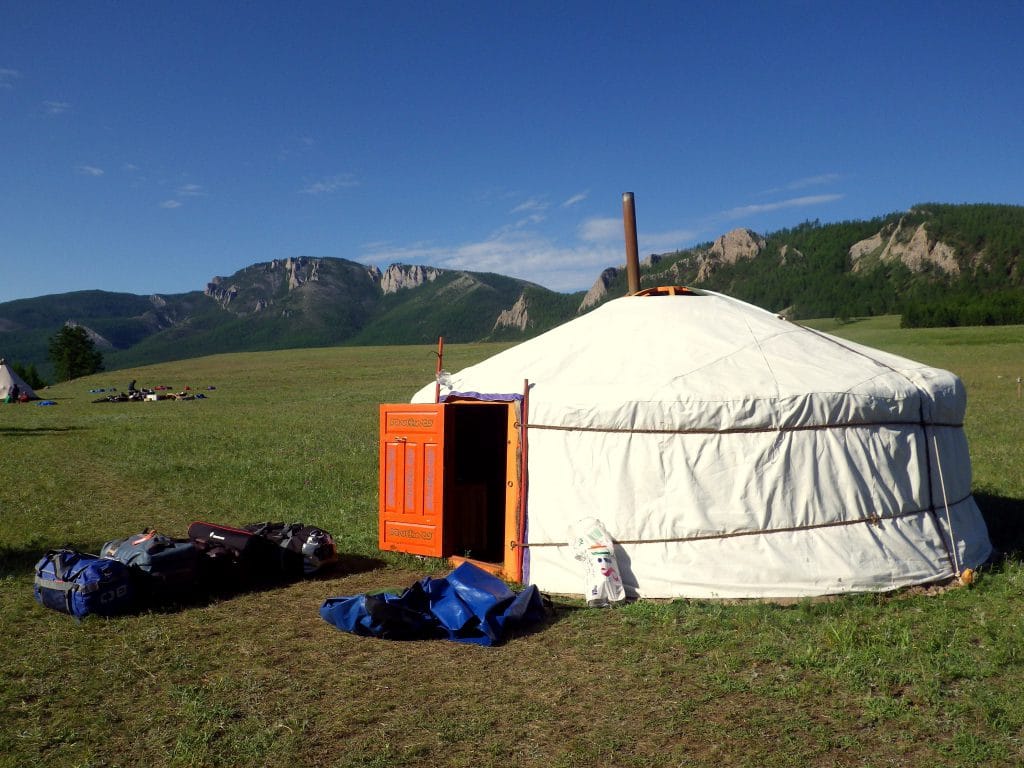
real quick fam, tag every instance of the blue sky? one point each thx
(147, 147)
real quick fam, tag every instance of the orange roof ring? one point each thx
(667, 290)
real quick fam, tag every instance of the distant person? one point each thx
(131, 385)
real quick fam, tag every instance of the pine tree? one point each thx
(74, 354)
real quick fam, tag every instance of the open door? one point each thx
(411, 479)
(449, 482)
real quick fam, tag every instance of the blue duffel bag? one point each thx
(80, 584)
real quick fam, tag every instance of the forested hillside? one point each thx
(934, 265)
(989, 241)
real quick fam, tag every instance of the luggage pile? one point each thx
(149, 568)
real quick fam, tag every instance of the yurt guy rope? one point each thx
(945, 502)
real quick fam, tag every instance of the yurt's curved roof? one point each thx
(706, 362)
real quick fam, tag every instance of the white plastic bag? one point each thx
(592, 545)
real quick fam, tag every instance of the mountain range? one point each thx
(935, 264)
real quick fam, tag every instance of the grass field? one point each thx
(258, 679)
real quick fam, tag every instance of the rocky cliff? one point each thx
(398, 277)
(737, 245)
(514, 317)
(599, 290)
(272, 278)
(909, 245)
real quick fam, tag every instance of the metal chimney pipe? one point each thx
(632, 252)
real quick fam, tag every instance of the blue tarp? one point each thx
(467, 606)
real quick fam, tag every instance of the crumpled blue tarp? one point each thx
(467, 606)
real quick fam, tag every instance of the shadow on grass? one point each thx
(15, 562)
(205, 594)
(558, 609)
(1005, 520)
(21, 561)
(35, 431)
(350, 564)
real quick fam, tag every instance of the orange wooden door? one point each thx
(411, 478)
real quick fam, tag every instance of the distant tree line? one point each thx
(29, 375)
(1002, 308)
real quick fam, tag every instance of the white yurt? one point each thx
(731, 453)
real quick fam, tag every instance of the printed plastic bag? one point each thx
(592, 545)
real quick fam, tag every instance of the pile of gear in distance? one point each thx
(141, 395)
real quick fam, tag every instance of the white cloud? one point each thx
(55, 107)
(813, 181)
(7, 78)
(807, 181)
(171, 204)
(597, 229)
(611, 230)
(532, 219)
(89, 170)
(535, 210)
(576, 199)
(530, 206)
(524, 255)
(191, 190)
(793, 202)
(330, 184)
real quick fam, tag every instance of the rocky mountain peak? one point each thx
(599, 289)
(220, 293)
(738, 245)
(400, 276)
(514, 317)
(912, 246)
(301, 270)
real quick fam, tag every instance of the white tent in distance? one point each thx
(11, 383)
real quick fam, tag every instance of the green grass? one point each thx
(919, 678)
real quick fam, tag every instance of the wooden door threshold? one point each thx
(495, 569)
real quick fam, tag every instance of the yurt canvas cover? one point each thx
(731, 453)
(9, 379)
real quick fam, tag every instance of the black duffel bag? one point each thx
(165, 568)
(305, 549)
(234, 558)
